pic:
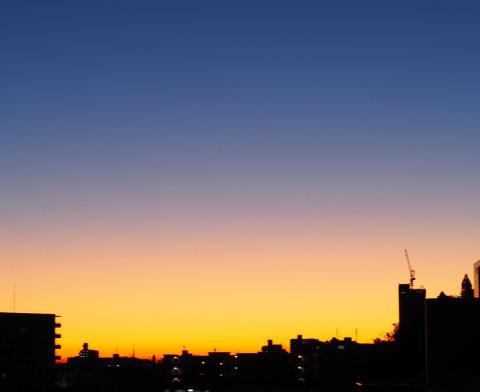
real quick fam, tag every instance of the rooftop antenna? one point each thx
(412, 272)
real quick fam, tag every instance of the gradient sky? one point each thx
(216, 173)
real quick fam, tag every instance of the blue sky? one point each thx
(96, 94)
(276, 115)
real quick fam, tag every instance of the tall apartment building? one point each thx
(411, 329)
(476, 278)
(27, 351)
(411, 315)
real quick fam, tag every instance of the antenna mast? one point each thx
(412, 272)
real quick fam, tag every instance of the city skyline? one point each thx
(421, 353)
(200, 175)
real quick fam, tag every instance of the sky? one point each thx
(211, 174)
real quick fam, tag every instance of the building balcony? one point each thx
(58, 336)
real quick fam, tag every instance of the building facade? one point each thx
(476, 278)
(27, 351)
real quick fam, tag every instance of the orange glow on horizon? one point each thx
(229, 296)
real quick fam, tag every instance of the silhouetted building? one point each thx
(307, 353)
(299, 345)
(411, 327)
(86, 353)
(453, 340)
(439, 337)
(411, 331)
(272, 348)
(88, 372)
(277, 366)
(273, 367)
(27, 351)
(186, 371)
(344, 364)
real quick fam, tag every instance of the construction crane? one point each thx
(412, 272)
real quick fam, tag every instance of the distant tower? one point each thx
(467, 290)
(476, 278)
